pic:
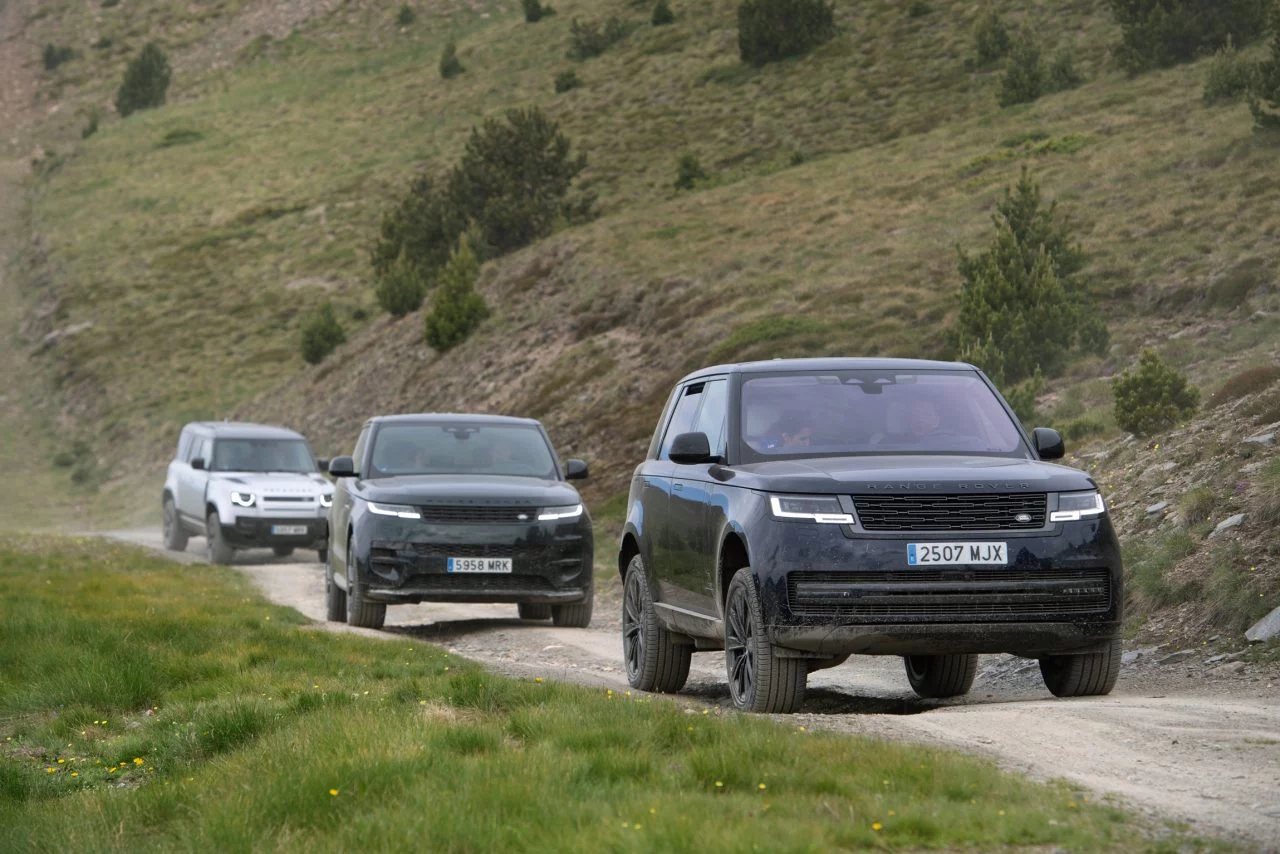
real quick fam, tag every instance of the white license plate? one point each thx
(289, 530)
(479, 564)
(957, 554)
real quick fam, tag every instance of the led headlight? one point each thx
(326, 500)
(402, 511)
(566, 511)
(823, 509)
(243, 499)
(1074, 506)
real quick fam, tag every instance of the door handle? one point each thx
(679, 487)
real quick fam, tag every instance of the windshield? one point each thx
(873, 412)
(262, 455)
(454, 448)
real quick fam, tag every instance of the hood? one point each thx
(468, 489)
(268, 484)
(902, 474)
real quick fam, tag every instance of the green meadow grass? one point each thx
(148, 705)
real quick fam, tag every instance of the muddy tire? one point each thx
(175, 538)
(1090, 675)
(937, 676)
(575, 616)
(335, 598)
(282, 551)
(216, 547)
(531, 611)
(760, 680)
(360, 611)
(654, 660)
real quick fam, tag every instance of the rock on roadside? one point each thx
(1265, 629)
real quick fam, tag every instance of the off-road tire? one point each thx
(653, 658)
(175, 538)
(335, 598)
(575, 616)
(282, 551)
(760, 680)
(938, 676)
(217, 548)
(360, 611)
(1090, 675)
(532, 611)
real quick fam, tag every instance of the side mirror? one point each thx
(322, 464)
(690, 449)
(576, 470)
(342, 467)
(198, 464)
(1048, 443)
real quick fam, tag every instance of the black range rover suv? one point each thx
(795, 512)
(457, 508)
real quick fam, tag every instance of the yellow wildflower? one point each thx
(875, 825)
(333, 793)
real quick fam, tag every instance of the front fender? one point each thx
(219, 497)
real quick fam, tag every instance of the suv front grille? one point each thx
(477, 515)
(953, 595)
(952, 512)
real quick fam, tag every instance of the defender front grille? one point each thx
(952, 595)
(1020, 511)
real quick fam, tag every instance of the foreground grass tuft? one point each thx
(146, 704)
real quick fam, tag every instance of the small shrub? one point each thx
(94, 116)
(458, 309)
(772, 30)
(1147, 565)
(1083, 428)
(1062, 74)
(1153, 398)
(55, 56)
(321, 335)
(1245, 383)
(689, 172)
(406, 16)
(108, 4)
(400, 290)
(535, 11)
(1024, 78)
(1196, 505)
(179, 136)
(1264, 100)
(918, 9)
(1266, 508)
(590, 39)
(567, 80)
(1230, 76)
(1161, 33)
(450, 65)
(102, 43)
(662, 14)
(1022, 398)
(991, 39)
(146, 81)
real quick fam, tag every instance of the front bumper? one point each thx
(405, 561)
(256, 532)
(828, 591)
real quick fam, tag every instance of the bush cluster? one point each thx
(1152, 398)
(771, 30)
(457, 309)
(55, 56)
(1230, 76)
(406, 16)
(918, 9)
(1161, 33)
(1023, 307)
(1027, 77)
(321, 334)
(1247, 382)
(592, 38)
(535, 11)
(1264, 100)
(689, 172)
(567, 80)
(146, 81)
(450, 65)
(991, 38)
(662, 14)
(400, 290)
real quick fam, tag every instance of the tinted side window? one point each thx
(712, 417)
(682, 418)
(358, 454)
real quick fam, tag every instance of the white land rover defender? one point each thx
(244, 486)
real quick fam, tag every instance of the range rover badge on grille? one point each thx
(1022, 517)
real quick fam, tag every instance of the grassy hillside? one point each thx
(195, 237)
(146, 705)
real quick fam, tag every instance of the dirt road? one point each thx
(1187, 741)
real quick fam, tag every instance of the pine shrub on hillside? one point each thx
(771, 30)
(406, 16)
(458, 309)
(1153, 398)
(1230, 76)
(1062, 74)
(1264, 101)
(450, 65)
(567, 80)
(1161, 33)
(991, 38)
(401, 289)
(1024, 78)
(535, 11)
(689, 172)
(419, 230)
(321, 335)
(592, 38)
(146, 81)
(662, 14)
(1023, 308)
(55, 56)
